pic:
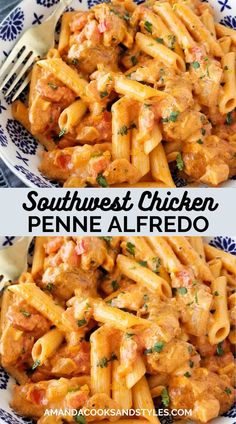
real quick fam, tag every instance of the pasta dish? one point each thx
(134, 92)
(114, 323)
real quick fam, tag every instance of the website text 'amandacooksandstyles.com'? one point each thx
(139, 412)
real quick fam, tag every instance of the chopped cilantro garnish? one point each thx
(73, 389)
(182, 290)
(179, 162)
(172, 41)
(129, 335)
(200, 141)
(49, 287)
(219, 349)
(226, 68)
(62, 133)
(196, 65)
(52, 86)
(115, 285)
(134, 60)
(103, 363)
(148, 26)
(74, 62)
(196, 297)
(229, 118)
(158, 347)
(159, 40)
(216, 293)
(156, 264)
(123, 130)
(107, 239)
(203, 131)
(81, 322)
(25, 313)
(79, 418)
(130, 247)
(228, 391)
(35, 364)
(191, 363)
(143, 263)
(165, 397)
(101, 180)
(172, 118)
(103, 94)
(187, 374)
(145, 297)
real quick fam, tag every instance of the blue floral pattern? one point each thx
(4, 378)
(47, 3)
(39, 182)
(229, 21)
(13, 25)
(227, 244)
(21, 137)
(3, 138)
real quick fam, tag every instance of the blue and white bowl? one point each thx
(7, 416)
(19, 150)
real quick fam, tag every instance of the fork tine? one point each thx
(10, 59)
(22, 87)
(27, 65)
(16, 65)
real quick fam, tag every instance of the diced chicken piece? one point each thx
(171, 357)
(180, 126)
(93, 251)
(204, 392)
(112, 23)
(215, 160)
(71, 360)
(121, 171)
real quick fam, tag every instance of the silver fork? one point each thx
(33, 44)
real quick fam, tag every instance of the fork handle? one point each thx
(56, 14)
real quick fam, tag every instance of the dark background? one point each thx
(7, 179)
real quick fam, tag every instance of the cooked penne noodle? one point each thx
(38, 257)
(100, 375)
(143, 276)
(65, 74)
(219, 327)
(71, 116)
(197, 29)
(138, 371)
(138, 157)
(175, 24)
(190, 257)
(47, 345)
(43, 303)
(136, 90)
(153, 141)
(197, 244)
(225, 43)
(163, 250)
(208, 20)
(121, 120)
(157, 50)
(120, 391)
(159, 166)
(222, 31)
(227, 100)
(228, 260)
(64, 39)
(215, 266)
(143, 400)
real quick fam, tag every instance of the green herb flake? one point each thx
(49, 287)
(196, 65)
(187, 374)
(203, 131)
(156, 265)
(81, 322)
(115, 285)
(62, 133)
(143, 263)
(52, 86)
(165, 398)
(123, 130)
(174, 116)
(179, 162)
(25, 313)
(103, 94)
(79, 418)
(129, 335)
(74, 62)
(134, 60)
(229, 118)
(74, 389)
(148, 351)
(145, 297)
(219, 350)
(159, 40)
(191, 363)
(101, 180)
(216, 293)
(130, 247)
(148, 26)
(103, 363)
(158, 347)
(226, 68)
(200, 141)
(35, 364)
(228, 391)
(196, 297)
(107, 239)
(182, 290)
(172, 41)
